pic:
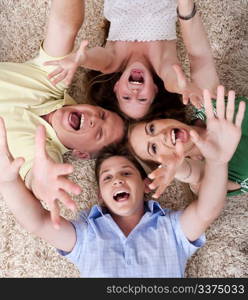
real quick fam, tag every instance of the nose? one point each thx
(118, 182)
(135, 91)
(134, 88)
(163, 137)
(94, 119)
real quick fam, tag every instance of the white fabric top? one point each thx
(141, 20)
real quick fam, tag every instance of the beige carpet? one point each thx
(225, 253)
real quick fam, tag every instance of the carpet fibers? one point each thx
(22, 25)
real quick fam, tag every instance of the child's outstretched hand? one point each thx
(9, 167)
(223, 132)
(48, 179)
(67, 67)
(165, 173)
(189, 91)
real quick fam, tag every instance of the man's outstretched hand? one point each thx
(49, 182)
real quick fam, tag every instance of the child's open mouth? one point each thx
(121, 196)
(76, 120)
(178, 134)
(136, 77)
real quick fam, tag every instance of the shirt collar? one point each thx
(153, 207)
(96, 211)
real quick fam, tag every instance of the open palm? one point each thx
(67, 67)
(223, 132)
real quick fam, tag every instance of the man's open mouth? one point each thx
(136, 77)
(178, 134)
(76, 120)
(121, 196)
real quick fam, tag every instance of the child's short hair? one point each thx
(117, 150)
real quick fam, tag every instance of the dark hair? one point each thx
(100, 91)
(117, 150)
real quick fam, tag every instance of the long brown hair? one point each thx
(100, 91)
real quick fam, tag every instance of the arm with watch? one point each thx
(202, 66)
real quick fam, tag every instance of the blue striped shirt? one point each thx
(156, 247)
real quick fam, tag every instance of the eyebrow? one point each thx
(148, 148)
(141, 100)
(123, 167)
(146, 129)
(105, 171)
(148, 144)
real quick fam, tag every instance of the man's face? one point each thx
(87, 128)
(122, 187)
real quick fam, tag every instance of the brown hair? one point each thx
(117, 150)
(100, 91)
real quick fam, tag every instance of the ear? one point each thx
(116, 86)
(82, 155)
(147, 181)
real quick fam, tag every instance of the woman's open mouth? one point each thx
(136, 77)
(76, 120)
(178, 134)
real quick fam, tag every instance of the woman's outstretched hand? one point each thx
(223, 130)
(189, 91)
(67, 67)
(165, 173)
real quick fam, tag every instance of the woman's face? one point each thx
(157, 139)
(135, 90)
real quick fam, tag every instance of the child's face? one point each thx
(121, 187)
(87, 128)
(156, 139)
(135, 91)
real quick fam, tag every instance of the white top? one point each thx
(141, 20)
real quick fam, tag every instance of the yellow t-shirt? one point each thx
(25, 95)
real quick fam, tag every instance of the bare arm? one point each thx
(34, 218)
(217, 146)
(26, 208)
(97, 58)
(191, 171)
(211, 199)
(65, 19)
(203, 71)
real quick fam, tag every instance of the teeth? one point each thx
(136, 82)
(82, 121)
(119, 192)
(173, 137)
